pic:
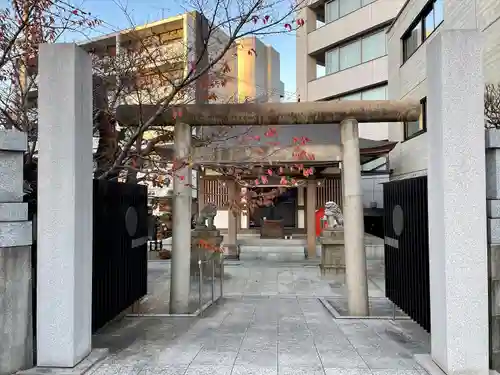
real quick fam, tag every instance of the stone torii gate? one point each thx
(347, 113)
(458, 255)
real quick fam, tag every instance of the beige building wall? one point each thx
(227, 93)
(408, 80)
(258, 72)
(316, 38)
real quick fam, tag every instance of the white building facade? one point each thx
(417, 24)
(342, 53)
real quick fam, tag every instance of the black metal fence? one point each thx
(30, 198)
(120, 234)
(407, 247)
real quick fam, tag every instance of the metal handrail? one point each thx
(201, 306)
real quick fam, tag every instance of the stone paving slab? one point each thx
(291, 279)
(255, 335)
(271, 321)
(378, 307)
(158, 297)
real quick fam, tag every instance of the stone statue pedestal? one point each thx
(335, 233)
(205, 245)
(332, 253)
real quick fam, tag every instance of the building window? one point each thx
(414, 128)
(355, 96)
(373, 46)
(332, 61)
(376, 93)
(350, 55)
(430, 18)
(348, 6)
(438, 12)
(411, 42)
(331, 11)
(336, 9)
(429, 25)
(354, 53)
(433, 18)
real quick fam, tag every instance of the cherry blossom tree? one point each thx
(143, 70)
(139, 150)
(24, 24)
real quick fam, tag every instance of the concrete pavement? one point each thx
(272, 323)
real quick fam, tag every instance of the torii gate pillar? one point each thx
(355, 256)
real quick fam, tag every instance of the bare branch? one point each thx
(492, 106)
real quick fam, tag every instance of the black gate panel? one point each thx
(119, 264)
(406, 230)
(30, 198)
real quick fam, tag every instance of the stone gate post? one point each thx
(64, 220)
(457, 203)
(16, 315)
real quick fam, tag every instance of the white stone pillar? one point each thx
(354, 228)
(64, 218)
(181, 228)
(457, 203)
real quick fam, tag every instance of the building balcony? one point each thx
(353, 79)
(316, 3)
(352, 24)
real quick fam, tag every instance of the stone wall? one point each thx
(493, 221)
(16, 332)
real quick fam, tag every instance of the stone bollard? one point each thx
(16, 279)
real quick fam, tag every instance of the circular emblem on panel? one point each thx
(397, 220)
(131, 221)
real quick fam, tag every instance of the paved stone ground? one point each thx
(300, 279)
(269, 324)
(379, 307)
(157, 300)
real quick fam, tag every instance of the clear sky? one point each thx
(144, 11)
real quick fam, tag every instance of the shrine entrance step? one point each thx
(283, 250)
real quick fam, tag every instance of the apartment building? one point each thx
(253, 74)
(258, 72)
(419, 22)
(342, 53)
